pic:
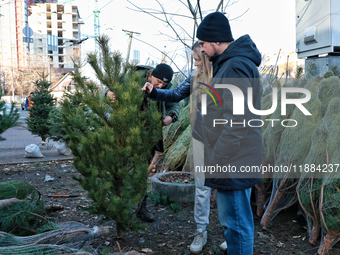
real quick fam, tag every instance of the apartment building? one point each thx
(36, 30)
(13, 19)
(56, 31)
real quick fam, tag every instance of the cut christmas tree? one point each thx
(112, 142)
(42, 104)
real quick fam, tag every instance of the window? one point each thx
(136, 56)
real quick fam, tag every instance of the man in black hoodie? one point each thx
(231, 131)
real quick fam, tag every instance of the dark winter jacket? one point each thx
(168, 108)
(182, 91)
(238, 146)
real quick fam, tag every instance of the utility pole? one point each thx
(130, 41)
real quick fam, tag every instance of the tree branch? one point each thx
(240, 15)
(145, 11)
(158, 12)
(167, 21)
(219, 5)
(200, 11)
(175, 39)
(162, 53)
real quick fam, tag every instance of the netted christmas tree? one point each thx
(313, 147)
(7, 120)
(111, 142)
(329, 202)
(177, 137)
(271, 135)
(293, 147)
(320, 154)
(43, 104)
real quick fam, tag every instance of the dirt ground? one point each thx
(171, 233)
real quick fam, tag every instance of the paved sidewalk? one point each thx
(12, 150)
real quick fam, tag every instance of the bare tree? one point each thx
(22, 80)
(192, 11)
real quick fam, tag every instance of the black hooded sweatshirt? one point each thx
(236, 146)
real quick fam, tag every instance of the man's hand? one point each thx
(111, 95)
(167, 120)
(147, 87)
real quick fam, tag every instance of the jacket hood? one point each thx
(242, 47)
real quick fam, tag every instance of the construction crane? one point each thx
(96, 27)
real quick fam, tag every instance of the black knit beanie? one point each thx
(215, 28)
(163, 72)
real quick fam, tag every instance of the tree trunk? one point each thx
(10, 201)
(327, 244)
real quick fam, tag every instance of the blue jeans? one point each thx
(202, 193)
(236, 216)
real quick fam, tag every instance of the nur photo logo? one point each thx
(204, 97)
(239, 103)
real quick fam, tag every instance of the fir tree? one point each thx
(111, 142)
(56, 131)
(43, 104)
(7, 120)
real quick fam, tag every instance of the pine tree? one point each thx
(7, 120)
(111, 142)
(56, 130)
(43, 104)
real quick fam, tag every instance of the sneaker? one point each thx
(223, 246)
(144, 214)
(199, 241)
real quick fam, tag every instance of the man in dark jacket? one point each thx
(160, 77)
(232, 140)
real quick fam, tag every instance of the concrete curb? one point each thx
(12, 150)
(180, 193)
